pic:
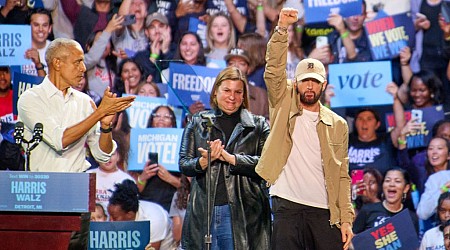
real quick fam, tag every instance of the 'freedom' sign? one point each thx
(360, 84)
(15, 40)
(317, 11)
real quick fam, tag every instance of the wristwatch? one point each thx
(281, 30)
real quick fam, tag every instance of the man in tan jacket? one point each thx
(305, 158)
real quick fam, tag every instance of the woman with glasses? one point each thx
(240, 211)
(432, 239)
(156, 183)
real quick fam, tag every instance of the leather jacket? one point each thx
(247, 192)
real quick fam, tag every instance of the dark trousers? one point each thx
(297, 226)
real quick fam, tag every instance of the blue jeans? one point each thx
(222, 235)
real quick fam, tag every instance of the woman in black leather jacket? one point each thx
(240, 201)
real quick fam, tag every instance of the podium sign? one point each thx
(45, 192)
(119, 235)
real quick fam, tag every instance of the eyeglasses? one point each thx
(162, 117)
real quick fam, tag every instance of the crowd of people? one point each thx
(283, 162)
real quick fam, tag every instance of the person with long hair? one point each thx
(178, 208)
(240, 203)
(220, 38)
(130, 74)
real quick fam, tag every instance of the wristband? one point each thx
(140, 181)
(345, 34)
(444, 189)
(106, 130)
(259, 7)
(404, 64)
(299, 28)
(154, 56)
(281, 30)
(40, 68)
(401, 142)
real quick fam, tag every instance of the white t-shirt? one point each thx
(433, 239)
(302, 179)
(160, 224)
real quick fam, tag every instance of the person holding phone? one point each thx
(14, 12)
(240, 202)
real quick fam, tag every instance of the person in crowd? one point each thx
(130, 74)
(255, 45)
(432, 239)
(107, 175)
(236, 10)
(425, 90)
(123, 148)
(155, 182)
(309, 177)
(236, 142)
(14, 12)
(446, 233)
(40, 21)
(366, 147)
(436, 184)
(124, 205)
(62, 27)
(6, 95)
(369, 190)
(257, 96)
(83, 86)
(295, 52)
(220, 38)
(256, 21)
(154, 58)
(88, 19)
(101, 63)
(131, 38)
(178, 209)
(99, 214)
(149, 89)
(396, 185)
(69, 117)
(184, 11)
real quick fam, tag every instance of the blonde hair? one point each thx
(229, 73)
(209, 40)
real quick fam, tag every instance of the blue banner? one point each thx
(317, 11)
(190, 84)
(421, 138)
(119, 235)
(388, 35)
(22, 82)
(139, 113)
(396, 233)
(42, 192)
(164, 141)
(199, 27)
(360, 84)
(15, 40)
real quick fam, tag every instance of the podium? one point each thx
(41, 210)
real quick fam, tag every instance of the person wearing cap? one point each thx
(160, 49)
(258, 102)
(305, 158)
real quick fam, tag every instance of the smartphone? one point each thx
(129, 20)
(321, 41)
(445, 11)
(357, 176)
(416, 115)
(153, 157)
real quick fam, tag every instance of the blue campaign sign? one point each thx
(15, 41)
(317, 11)
(189, 84)
(119, 235)
(139, 113)
(42, 192)
(199, 27)
(396, 233)
(164, 141)
(2, 2)
(418, 139)
(360, 84)
(388, 35)
(22, 82)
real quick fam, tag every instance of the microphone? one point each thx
(170, 60)
(37, 135)
(208, 118)
(18, 132)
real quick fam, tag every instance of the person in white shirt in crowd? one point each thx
(432, 239)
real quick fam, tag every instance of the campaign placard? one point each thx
(42, 192)
(396, 233)
(198, 27)
(21, 83)
(389, 35)
(139, 113)
(15, 40)
(119, 235)
(418, 139)
(360, 84)
(317, 11)
(190, 83)
(164, 141)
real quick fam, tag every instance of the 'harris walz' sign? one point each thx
(15, 40)
(389, 35)
(119, 235)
